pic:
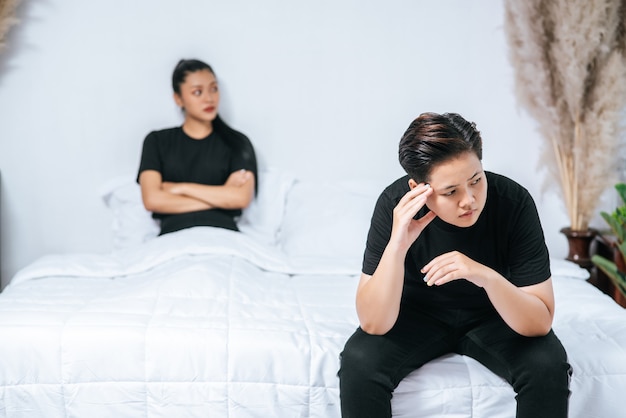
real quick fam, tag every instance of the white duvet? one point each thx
(210, 323)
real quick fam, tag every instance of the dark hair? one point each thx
(183, 68)
(239, 143)
(432, 139)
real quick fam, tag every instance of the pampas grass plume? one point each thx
(569, 58)
(7, 19)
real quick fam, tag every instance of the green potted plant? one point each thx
(616, 269)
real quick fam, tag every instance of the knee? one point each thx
(361, 360)
(545, 371)
(354, 361)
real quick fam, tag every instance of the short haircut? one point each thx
(432, 139)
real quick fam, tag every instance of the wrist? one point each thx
(400, 242)
(490, 278)
(398, 247)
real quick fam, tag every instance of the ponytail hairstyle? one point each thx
(238, 142)
(432, 139)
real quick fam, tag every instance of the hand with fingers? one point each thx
(454, 266)
(406, 229)
(239, 178)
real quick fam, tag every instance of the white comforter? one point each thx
(208, 322)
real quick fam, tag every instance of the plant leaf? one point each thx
(621, 190)
(617, 227)
(610, 269)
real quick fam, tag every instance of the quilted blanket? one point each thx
(207, 322)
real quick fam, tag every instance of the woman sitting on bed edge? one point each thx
(455, 262)
(202, 173)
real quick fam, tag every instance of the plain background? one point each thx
(323, 88)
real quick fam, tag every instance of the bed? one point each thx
(207, 322)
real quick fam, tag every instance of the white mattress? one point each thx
(209, 322)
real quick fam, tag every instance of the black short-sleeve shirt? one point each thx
(506, 237)
(180, 158)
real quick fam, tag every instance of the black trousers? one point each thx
(372, 366)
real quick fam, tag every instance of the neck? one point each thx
(197, 129)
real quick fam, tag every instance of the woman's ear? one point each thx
(178, 100)
(412, 184)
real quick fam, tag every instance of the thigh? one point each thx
(409, 345)
(509, 354)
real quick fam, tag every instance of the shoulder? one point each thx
(505, 189)
(513, 213)
(382, 222)
(238, 145)
(241, 138)
(164, 134)
(508, 202)
(396, 190)
(390, 196)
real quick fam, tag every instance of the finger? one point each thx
(442, 274)
(446, 278)
(416, 191)
(413, 201)
(426, 219)
(442, 259)
(438, 267)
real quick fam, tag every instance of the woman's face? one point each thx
(459, 190)
(199, 96)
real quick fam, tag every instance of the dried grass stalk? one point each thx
(570, 75)
(7, 19)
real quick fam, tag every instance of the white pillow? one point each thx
(132, 223)
(263, 217)
(328, 221)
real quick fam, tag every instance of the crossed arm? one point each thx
(527, 310)
(171, 198)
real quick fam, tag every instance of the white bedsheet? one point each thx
(208, 322)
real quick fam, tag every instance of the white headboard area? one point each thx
(324, 89)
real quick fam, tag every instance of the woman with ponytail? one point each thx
(202, 173)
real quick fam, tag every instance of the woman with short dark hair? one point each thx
(455, 262)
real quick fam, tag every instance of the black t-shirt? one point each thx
(507, 238)
(180, 158)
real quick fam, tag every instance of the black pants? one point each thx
(372, 366)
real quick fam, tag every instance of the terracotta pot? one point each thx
(579, 246)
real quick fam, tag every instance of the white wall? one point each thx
(323, 88)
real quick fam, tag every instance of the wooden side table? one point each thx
(606, 246)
